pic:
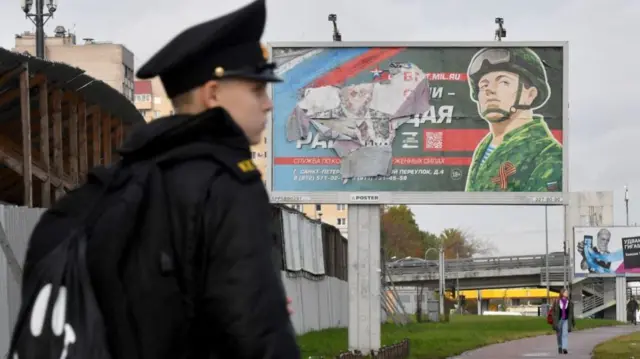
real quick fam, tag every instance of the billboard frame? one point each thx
(417, 197)
(596, 275)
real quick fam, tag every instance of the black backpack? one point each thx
(60, 316)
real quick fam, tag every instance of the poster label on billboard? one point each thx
(606, 250)
(418, 119)
(365, 197)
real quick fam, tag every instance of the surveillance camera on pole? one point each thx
(336, 34)
(501, 32)
(39, 19)
(26, 5)
(52, 5)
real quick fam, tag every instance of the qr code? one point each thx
(433, 140)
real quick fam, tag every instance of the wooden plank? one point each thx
(73, 140)
(44, 144)
(106, 138)
(58, 164)
(96, 135)
(25, 110)
(82, 139)
(10, 75)
(13, 160)
(11, 95)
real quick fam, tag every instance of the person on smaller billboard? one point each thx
(597, 258)
(519, 154)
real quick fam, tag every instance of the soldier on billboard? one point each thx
(519, 154)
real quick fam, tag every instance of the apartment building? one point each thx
(103, 60)
(152, 102)
(151, 99)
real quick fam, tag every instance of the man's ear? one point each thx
(208, 94)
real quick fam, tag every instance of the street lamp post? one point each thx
(39, 19)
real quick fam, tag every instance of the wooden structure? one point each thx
(56, 123)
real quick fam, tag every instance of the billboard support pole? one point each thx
(364, 277)
(546, 257)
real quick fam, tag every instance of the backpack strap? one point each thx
(188, 274)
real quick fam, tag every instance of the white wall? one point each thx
(318, 304)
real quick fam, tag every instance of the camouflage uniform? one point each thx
(529, 159)
(532, 152)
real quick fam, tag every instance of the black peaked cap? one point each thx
(225, 47)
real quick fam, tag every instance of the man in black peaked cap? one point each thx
(216, 74)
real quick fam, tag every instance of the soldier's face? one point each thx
(248, 104)
(498, 93)
(356, 98)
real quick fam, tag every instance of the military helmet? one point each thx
(522, 61)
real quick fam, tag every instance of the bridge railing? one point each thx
(480, 264)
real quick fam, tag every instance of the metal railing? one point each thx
(556, 275)
(477, 264)
(592, 302)
(398, 350)
(595, 287)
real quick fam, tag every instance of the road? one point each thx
(581, 344)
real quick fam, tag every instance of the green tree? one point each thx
(400, 234)
(457, 242)
(430, 240)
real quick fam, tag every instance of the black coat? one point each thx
(221, 224)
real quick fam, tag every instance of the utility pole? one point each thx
(39, 19)
(336, 34)
(546, 257)
(458, 280)
(441, 281)
(626, 202)
(501, 32)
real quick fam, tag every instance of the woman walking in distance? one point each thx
(563, 320)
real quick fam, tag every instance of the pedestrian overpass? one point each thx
(604, 297)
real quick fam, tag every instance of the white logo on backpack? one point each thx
(58, 317)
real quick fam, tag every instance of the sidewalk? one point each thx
(581, 344)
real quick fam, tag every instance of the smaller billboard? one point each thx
(606, 250)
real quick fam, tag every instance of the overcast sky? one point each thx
(604, 75)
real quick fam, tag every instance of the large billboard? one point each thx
(606, 251)
(419, 123)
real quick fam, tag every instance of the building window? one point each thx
(143, 97)
(265, 140)
(156, 114)
(342, 221)
(297, 207)
(318, 207)
(341, 207)
(157, 100)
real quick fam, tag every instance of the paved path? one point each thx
(581, 344)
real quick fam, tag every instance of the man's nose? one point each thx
(268, 105)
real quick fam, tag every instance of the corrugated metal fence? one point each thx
(16, 224)
(320, 300)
